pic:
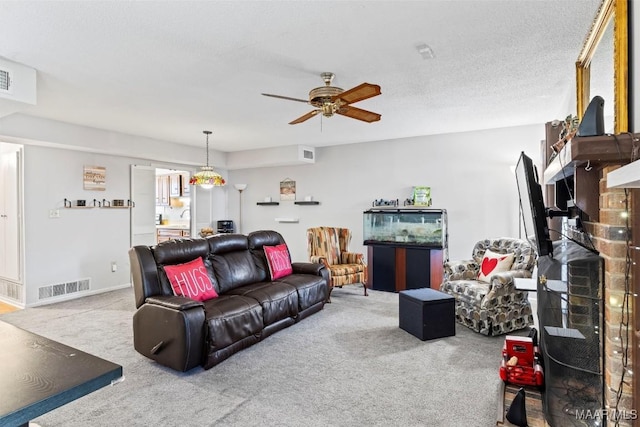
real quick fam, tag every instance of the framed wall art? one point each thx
(287, 189)
(94, 178)
(422, 196)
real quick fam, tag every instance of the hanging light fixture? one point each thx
(207, 178)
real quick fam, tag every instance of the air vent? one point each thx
(306, 154)
(11, 290)
(60, 289)
(5, 81)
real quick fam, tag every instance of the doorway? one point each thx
(173, 199)
(11, 223)
(164, 202)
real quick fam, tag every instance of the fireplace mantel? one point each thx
(595, 150)
(580, 162)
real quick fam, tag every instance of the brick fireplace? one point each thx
(611, 239)
(609, 216)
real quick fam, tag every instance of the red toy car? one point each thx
(520, 363)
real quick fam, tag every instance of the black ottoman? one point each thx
(427, 313)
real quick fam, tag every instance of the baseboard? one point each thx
(76, 295)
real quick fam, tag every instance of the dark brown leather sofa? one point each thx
(182, 333)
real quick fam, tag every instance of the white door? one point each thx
(10, 258)
(143, 194)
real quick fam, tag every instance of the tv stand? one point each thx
(571, 318)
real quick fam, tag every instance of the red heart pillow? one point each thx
(493, 263)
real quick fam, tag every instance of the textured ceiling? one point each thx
(168, 70)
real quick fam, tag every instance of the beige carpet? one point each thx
(348, 365)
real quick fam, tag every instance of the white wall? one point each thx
(82, 243)
(469, 175)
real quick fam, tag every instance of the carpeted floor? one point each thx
(348, 365)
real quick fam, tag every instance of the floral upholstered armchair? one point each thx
(330, 246)
(486, 298)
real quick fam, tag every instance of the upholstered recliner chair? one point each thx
(486, 298)
(330, 246)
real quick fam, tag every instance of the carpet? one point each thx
(348, 365)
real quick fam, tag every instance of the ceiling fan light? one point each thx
(330, 100)
(328, 109)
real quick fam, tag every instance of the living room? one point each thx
(470, 172)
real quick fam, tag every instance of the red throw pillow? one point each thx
(493, 263)
(191, 280)
(278, 260)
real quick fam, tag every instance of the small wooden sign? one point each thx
(287, 189)
(95, 178)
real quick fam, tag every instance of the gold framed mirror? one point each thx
(612, 17)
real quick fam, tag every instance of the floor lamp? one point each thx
(240, 188)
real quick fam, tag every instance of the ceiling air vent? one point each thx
(5, 81)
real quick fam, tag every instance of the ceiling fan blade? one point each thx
(358, 93)
(305, 117)
(286, 97)
(358, 113)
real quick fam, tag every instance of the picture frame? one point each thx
(94, 178)
(421, 196)
(287, 189)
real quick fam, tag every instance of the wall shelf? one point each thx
(268, 203)
(307, 202)
(105, 204)
(627, 176)
(69, 204)
(288, 220)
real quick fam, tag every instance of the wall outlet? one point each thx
(54, 213)
(114, 267)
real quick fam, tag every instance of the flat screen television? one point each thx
(532, 208)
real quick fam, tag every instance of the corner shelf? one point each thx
(307, 202)
(268, 203)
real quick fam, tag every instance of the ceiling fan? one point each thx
(330, 100)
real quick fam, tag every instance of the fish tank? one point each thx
(405, 227)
